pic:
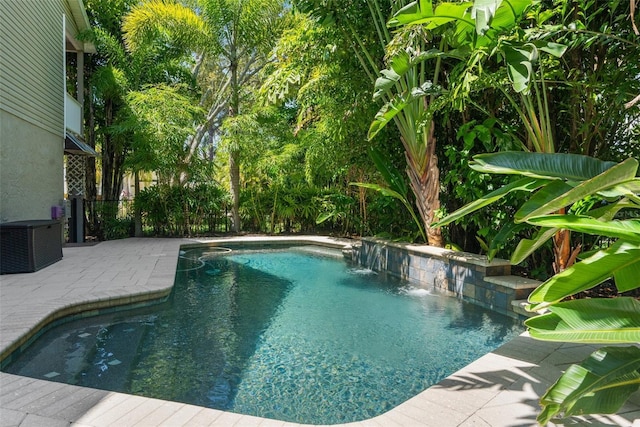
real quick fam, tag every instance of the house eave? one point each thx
(79, 14)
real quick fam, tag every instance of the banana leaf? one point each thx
(608, 212)
(593, 321)
(412, 13)
(480, 25)
(552, 199)
(552, 191)
(620, 261)
(527, 246)
(628, 230)
(523, 184)
(629, 189)
(497, 14)
(422, 13)
(519, 61)
(499, 239)
(601, 384)
(572, 167)
(386, 113)
(391, 175)
(322, 217)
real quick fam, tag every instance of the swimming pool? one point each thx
(283, 334)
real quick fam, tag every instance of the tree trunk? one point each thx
(426, 188)
(90, 192)
(234, 154)
(564, 256)
(137, 213)
(234, 174)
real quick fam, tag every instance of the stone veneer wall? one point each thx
(468, 276)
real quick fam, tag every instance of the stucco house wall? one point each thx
(33, 36)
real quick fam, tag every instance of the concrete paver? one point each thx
(500, 389)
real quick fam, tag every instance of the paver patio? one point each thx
(500, 389)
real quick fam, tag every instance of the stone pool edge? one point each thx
(497, 389)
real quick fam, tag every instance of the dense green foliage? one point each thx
(182, 211)
(172, 107)
(362, 117)
(605, 380)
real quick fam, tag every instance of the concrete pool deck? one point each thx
(500, 389)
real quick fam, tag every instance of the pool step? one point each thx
(519, 306)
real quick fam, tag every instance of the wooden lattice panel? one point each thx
(75, 175)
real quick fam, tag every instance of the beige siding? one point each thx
(32, 55)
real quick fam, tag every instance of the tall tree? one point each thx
(106, 70)
(316, 72)
(234, 36)
(116, 71)
(416, 130)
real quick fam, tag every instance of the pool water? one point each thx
(295, 334)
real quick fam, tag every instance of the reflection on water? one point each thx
(294, 335)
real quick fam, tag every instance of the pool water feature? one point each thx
(293, 334)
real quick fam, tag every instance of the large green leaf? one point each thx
(594, 321)
(501, 237)
(397, 104)
(483, 12)
(478, 17)
(542, 198)
(412, 13)
(379, 188)
(322, 217)
(621, 261)
(523, 184)
(422, 13)
(555, 49)
(446, 13)
(385, 82)
(573, 167)
(509, 13)
(386, 114)
(628, 230)
(519, 60)
(629, 188)
(541, 204)
(400, 65)
(392, 176)
(527, 246)
(609, 211)
(601, 384)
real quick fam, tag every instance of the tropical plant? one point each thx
(162, 118)
(461, 185)
(368, 44)
(409, 87)
(109, 71)
(114, 72)
(605, 380)
(316, 76)
(396, 186)
(486, 31)
(230, 37)
(179, 211)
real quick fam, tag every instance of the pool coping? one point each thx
(501, 388)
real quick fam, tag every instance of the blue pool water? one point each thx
(295, 335)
